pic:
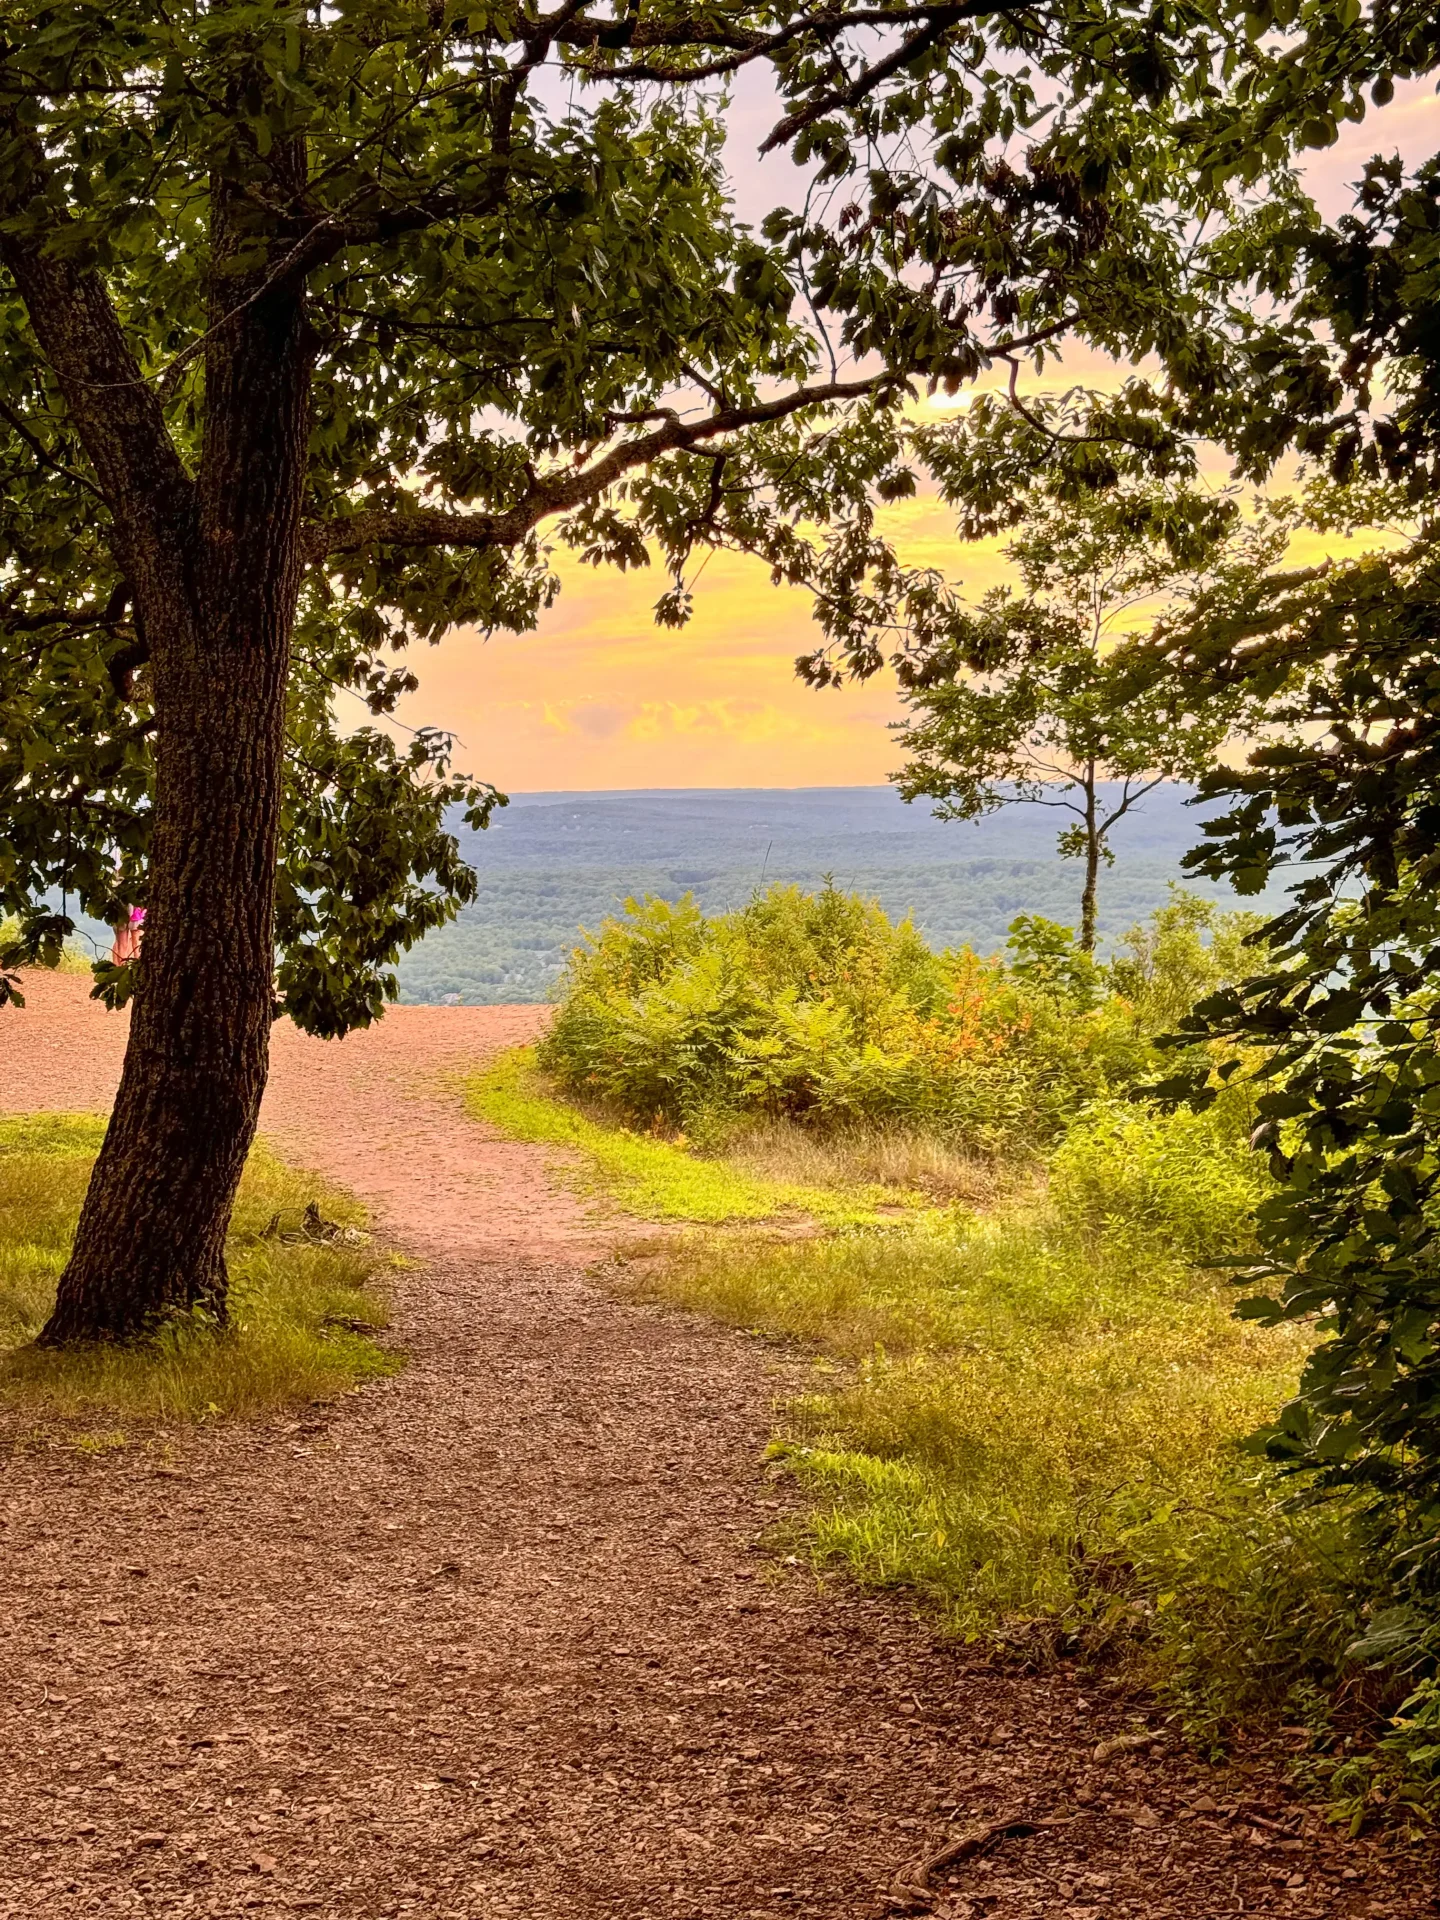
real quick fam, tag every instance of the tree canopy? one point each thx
(1031, 702)
(449, 234)
(527, 302)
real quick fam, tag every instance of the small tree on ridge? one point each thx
(1028, 704)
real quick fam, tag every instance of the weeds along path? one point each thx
(494, 1637)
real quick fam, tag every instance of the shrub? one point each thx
(798, 1004)
(817, 1009)
(1253, 1604)
(1185, 951)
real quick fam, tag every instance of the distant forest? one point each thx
(555, 862)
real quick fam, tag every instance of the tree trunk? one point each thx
(1092, 865)
(151, 1239)
(152, 1231)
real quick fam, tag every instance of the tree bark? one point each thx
(151, 1238)
(1092, 865)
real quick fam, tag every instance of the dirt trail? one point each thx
(494, 1637)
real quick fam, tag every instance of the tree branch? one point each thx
(560, 492)
(614, 36)
(937, 21)
(42, 453)
(824, 26)
(118, 418)
(1130, 800)
(74, 620)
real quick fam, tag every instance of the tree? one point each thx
(311, 319)
(1345, 365)
(1324, 344)
(1298, 335)
(1022, 706)
(1345, 1020)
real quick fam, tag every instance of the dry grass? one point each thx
(303, 1312)
(898, 1158)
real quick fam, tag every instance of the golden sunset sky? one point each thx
(600, 697)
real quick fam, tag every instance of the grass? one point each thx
(1028, 1403)
(896, 1161)
(1009, 1397)
(653, 1178)
(303, 1313)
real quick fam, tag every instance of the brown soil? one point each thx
(498, 1636)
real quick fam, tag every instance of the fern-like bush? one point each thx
(818, 1009)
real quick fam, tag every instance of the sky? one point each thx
(599, 697)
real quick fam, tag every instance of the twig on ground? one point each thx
(911, 1887)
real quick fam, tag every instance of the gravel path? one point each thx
(497, 1638)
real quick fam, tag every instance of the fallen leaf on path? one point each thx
(1123, 1743)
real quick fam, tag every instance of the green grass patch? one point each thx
(651, 1177)
(1016, 1397)
(303, 1313)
